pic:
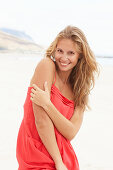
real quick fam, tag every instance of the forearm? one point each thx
(63, 125)
(46, 132)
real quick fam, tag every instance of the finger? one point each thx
(46, 86)
(31, 98)
(33, 90)
(32, 95)
(36, 87)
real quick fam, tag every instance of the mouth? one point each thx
(64, 64)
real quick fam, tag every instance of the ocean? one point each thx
(104, 61)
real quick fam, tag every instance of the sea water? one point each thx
(104, 61)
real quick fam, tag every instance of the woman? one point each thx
(56, 100)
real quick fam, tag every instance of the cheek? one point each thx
(75, 60)
(57, 57)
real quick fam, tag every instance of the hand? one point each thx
(61, 166)
(40, 97)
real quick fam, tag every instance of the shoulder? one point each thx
(44, 71)
(46, 63)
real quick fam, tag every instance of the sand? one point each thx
(94, 142)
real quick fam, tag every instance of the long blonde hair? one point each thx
(82, 76)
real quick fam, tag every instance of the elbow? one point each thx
(72, 137)
(72, 134)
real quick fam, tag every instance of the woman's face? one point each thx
(66, 55)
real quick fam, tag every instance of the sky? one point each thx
(44, 19)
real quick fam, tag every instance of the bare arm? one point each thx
(68, 128)
(45, 71)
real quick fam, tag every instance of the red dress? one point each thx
(30, 151)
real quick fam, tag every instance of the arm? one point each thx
(45, 71)
(68, 128)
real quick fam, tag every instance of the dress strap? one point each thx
(55, 78)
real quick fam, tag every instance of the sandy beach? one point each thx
(93, 144)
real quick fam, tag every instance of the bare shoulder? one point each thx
(44, 71)
(45, 63)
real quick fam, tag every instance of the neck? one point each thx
(64, 76)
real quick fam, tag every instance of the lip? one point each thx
(64, 64)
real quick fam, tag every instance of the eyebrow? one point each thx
(59, 48)
(67, 51)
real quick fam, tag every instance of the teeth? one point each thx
(64, 64)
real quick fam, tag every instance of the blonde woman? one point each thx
(56, 100)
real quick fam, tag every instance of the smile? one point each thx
(63, 64)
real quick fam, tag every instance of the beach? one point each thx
(93, 144)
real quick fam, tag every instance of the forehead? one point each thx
(66, 44)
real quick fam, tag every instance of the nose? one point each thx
(65, 57)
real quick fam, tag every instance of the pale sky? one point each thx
(44, 19)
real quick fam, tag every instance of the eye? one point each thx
(59, 51)
(71, 53)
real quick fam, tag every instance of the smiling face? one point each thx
(66, 56)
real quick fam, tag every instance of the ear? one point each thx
(53, 57)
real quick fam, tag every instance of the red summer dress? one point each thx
(30, 151)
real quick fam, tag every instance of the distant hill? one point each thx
(17, 33)
(13, 43)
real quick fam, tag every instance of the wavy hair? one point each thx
(82, 76)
